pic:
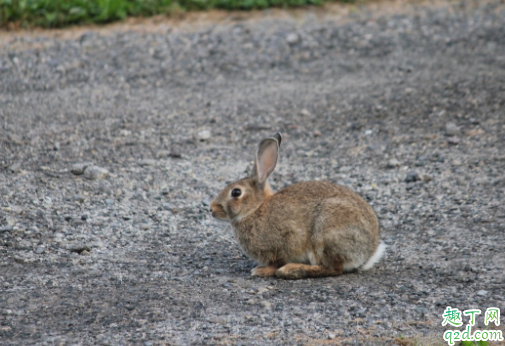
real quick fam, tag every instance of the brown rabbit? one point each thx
(309, 229)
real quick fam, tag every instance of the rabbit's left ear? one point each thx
(266, 158)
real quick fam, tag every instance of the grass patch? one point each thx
(60, 13)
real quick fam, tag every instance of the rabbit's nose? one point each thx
(210, 209)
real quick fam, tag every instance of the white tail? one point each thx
(375, 257)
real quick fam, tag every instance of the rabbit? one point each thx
(306, 230)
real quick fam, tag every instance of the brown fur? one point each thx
(309, 229)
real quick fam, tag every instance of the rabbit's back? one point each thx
(313, 198)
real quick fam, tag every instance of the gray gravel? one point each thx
(377, 102)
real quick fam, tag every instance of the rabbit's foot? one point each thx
(295, 271)
(264, 271)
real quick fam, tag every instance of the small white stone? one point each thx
(95, 173)
(305, 112)
(147, 162)
(203, 135)
(393, 163)
(292, 38)
(451, 129)
(482, 292)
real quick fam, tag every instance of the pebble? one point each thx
(174, 155)
(109, 201)
(422, 310)
(305, 113)
(203, 135)
(79, 168)
(475, 132)
(292, 38)
(451, 129)
(262, 290)
(421, 161)
(482, 292)
(412, 176)
(147, 162)
(6, 229)
(426, 177)
(145, 226)
(265, 304)
(19, 259)
(453, 140)
(393, 163)
(79, 198)
(16, 167)
(95, 173)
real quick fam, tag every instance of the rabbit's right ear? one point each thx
(266, 158)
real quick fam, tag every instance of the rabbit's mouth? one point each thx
(218, 212)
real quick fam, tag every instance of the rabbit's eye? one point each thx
(236, 192)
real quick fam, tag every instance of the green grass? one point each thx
(474, 343)
(60, 13)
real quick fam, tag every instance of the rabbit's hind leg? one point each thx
(295, 271)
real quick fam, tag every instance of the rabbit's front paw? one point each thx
(264, 271)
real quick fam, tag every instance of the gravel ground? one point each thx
(404, 105)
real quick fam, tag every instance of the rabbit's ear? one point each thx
(266, 158)
(278, 138)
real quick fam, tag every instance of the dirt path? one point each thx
(404, 104)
